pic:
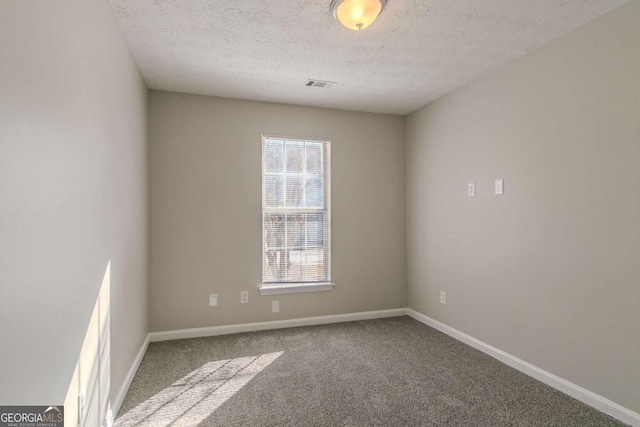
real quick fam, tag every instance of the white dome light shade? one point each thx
(357, 14)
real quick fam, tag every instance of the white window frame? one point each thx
(276, 288)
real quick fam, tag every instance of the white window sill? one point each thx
(294, 288)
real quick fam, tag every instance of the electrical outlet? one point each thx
(213, 300)
(275, 306)
(244, 297)
(471, 189)
(443, 297)
(499, 186)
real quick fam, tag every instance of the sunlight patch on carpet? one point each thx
(193, 398)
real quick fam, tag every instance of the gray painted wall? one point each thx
(72, 193)
(205, 198)
(550, 270)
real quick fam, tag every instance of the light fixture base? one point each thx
(357, 14)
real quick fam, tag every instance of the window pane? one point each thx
(314, 192)
(295, 231)
(273, 235)
(274, 191)
(273, 155)
(313, 267)
(274, 230)
(314, 157)
(294, 197)
(315, 230)
(295, 156)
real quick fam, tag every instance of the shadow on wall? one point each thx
(87, 402)
(193, 398)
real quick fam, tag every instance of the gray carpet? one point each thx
(386, 372)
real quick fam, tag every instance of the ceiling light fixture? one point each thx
(357, 14)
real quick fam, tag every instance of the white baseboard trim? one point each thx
(115, 405)
(276, 324)
(583, 395)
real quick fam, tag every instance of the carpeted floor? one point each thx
(386, 372)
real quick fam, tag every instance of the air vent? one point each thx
(319, 83)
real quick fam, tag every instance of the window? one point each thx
(296, 213)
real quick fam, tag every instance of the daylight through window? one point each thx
(296, 214)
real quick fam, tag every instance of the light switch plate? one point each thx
(499, 186)
(213, 300)
(471, 189)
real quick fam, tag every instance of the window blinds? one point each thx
(296, 213)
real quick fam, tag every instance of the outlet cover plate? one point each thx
(213, 300)
(471, 189)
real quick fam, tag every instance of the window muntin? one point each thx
(296, 218)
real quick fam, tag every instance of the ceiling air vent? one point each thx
(319, 83)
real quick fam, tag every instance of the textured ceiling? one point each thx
(415, 52)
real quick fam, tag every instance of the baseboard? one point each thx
(115, 405)
(276, 324)
(585, 396)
